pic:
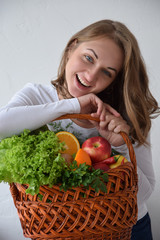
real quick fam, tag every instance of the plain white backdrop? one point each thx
(33, 34)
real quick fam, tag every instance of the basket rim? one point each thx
(88, 198)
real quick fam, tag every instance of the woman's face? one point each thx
(93, 66)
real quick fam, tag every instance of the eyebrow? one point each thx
(113, 69)
(93, 52)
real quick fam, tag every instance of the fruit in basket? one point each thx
(98, 148)
(111, 160)
(71, 143)
(102, 166)
(120, 161)
(82, 157)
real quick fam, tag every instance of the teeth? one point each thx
(82, 82)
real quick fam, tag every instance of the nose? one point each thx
(92, 75)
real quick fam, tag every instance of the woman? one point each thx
(101, 73)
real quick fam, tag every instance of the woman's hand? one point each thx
(111, 126)
(111, 123)
(90, 103)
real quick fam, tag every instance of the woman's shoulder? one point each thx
(42, 92)
(40, 87)
(33, 94)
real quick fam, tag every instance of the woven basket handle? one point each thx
(123, 134)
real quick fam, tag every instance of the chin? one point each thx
(75, 94)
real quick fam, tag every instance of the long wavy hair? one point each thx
(129, 93)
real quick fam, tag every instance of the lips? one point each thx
(81, 81)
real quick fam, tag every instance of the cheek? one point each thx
(103, 84)
(68, 69)
(73, 66)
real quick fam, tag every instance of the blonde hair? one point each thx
(129, 93)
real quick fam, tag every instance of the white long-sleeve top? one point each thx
(37, 105)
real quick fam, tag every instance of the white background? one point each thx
(33, 34)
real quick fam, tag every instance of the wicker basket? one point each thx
(68, 215)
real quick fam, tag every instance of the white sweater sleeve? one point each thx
(29, 109)
(146, 175)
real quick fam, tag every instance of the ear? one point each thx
(73, 43)
(72, 46)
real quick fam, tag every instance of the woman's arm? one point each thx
(28, 110)
(15, 119)
(36, 105)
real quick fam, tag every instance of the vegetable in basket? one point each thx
(34, 158)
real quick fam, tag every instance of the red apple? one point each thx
(98, 148)
(102, 166)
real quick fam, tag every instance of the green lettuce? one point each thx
(32, 158)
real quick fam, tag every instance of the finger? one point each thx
(103, 114)
(108, 118)
(95, 115)
(100, 106)
(112, 110)
(94, 123)
(112, 125)
(122, 128)
(104, 125)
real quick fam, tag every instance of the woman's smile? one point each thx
(82, 82)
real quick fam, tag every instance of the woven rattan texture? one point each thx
(79, 213)
(103, 236)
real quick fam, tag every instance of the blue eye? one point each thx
(90, 59)
(107, 73)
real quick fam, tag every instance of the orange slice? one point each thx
(72, 144)
(82, 157)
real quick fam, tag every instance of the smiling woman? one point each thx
(102, 74)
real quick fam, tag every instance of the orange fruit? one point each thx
(82, 157)
(72, 144)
